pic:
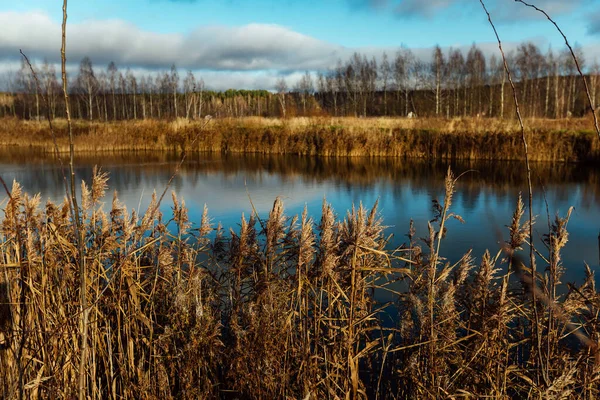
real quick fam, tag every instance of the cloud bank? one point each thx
(252, 56)
(244, 48)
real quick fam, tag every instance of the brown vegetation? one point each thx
(286, 308)
(283, 308)
(491, 139)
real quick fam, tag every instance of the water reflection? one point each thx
(485, 196)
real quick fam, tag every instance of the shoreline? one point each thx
(455, 139)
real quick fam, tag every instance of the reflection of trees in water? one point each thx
(149, 170)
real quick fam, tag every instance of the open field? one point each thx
(490, 139)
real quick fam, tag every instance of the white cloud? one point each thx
(242, 48)
(252, 56)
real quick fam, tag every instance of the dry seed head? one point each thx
(86, 197)
(129, 223)
(464, 267)
(326, 225)
(205, 225)
(175, 202)
(182, 218)
(558, 236)
(518, 233)
(148, 217)
(275, 224)
(307, 240)
(105, 223)
(590, 279)
(444, 273)
(117, 208)
(503, 304)
(449, 186)
(11, 223)
(486, 272)
(99, 184)
(430, 241)
(244, 236)
(32, 206)
(448, 309)
(372, 221)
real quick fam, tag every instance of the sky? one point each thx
(250, 44)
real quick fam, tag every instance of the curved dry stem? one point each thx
(529, 184)
(52, 133)
(587, 89)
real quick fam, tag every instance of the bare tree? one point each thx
(102, 90)
(174, 83)
(133, 88)
(332, 87)
(385, 71)
(200, 96)
(368, 79)
(357, 86)
(112, 73)
(26, 88)
(305, 88)
(492, 82)
(123, 92)
(86, 81)
(10, 80)
(321, 89)
(476, 72)
(403, 65)
(550, 65)
(50, 86)
(281, 88)
(456, 64)
(189, 89)
(438, 69)
(144, 89)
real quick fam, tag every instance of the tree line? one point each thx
(453, 83)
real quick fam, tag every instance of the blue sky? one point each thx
(251, 42)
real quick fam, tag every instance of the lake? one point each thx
(485, 196)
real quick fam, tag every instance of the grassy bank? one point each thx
(285, 307)
(464, 139)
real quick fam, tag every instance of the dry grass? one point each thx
(283, 308)
(491, 139)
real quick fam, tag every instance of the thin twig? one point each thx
(77, 222)
(52, 133)
(529, 184)
(587, 89)
(6, 188)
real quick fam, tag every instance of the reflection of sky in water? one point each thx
(405, 190)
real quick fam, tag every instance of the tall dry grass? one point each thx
(465, 139)
(285, 307)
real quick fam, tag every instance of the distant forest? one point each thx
(452, 84)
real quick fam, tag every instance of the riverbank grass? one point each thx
(488, 139)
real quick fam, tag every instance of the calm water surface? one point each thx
(485, 198)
